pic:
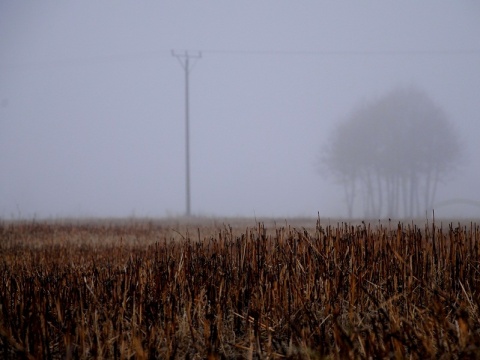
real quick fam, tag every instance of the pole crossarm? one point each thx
(184, 60)
(184, 57)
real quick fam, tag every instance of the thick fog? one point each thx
(92, 102)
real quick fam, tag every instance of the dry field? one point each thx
(239, 289)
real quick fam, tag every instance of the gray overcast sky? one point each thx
(92, 101)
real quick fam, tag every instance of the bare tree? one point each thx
(394, 151)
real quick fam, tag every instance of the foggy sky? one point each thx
(92, 101)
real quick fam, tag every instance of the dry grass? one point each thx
(172, 290)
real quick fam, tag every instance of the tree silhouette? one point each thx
(394, 152)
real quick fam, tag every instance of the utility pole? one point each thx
(184, 60)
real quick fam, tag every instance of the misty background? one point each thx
(92, 102)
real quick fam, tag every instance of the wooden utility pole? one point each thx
(184, 60)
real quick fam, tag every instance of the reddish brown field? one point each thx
(239, 289)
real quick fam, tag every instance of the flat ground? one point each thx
(239, 288)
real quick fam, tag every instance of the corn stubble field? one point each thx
(171, 290)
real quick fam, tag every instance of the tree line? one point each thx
(391, 154)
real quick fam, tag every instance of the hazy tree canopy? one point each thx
(393, 152)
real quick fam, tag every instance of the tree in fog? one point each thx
(393, 152)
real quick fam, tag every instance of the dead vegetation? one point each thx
(145, 290)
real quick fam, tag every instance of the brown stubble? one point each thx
(148, 290)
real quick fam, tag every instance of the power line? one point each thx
(134, 56)
(87, 60)
(342, 52)
(184, 60)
